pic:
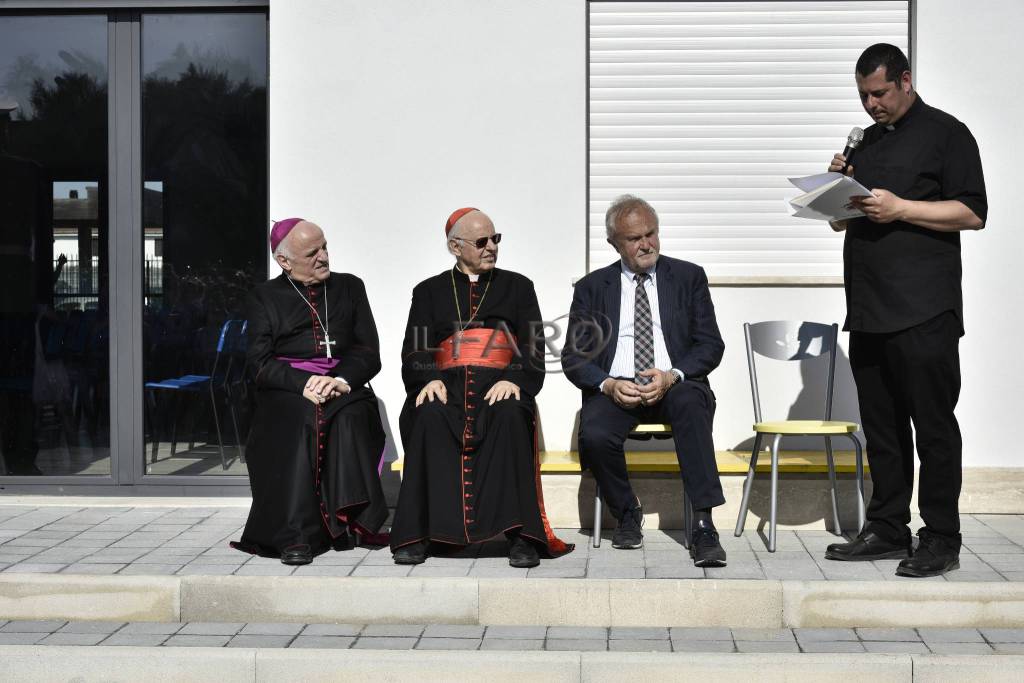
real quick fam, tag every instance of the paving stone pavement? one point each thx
(194, 540)
(951, 641)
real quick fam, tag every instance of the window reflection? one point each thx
(54, 388)
(205, 222)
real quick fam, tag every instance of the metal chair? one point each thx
(232, 333)
(644, 432)
(796, 341)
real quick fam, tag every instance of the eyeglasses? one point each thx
(481, 242)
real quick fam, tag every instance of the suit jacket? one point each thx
(694, 343)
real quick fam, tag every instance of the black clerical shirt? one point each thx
(898, 275)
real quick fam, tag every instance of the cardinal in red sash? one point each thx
(473, 364)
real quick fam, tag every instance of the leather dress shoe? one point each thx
(627, 535)
(934, 556)
(521, 553)
(414, 553)
(300, 553)
(866, 547)
(705, 548)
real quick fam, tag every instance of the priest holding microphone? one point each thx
(902, 273)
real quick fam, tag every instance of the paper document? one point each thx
(827, 197)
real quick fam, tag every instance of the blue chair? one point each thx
(229, 340)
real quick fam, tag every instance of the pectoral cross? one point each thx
(328, 343)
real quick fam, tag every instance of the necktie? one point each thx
(643, 331)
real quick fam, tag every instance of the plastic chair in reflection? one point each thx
(214, 386)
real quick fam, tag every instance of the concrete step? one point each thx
(245, 665)
(528, 602)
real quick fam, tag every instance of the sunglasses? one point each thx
(481, 242)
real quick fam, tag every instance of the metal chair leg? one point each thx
(747, 486)
(775, 492)
(838, 527)
(597, 516)
(687, 520)
(216, 423)
(861, 511)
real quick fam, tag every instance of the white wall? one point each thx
(385, 116)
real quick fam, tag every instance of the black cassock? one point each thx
(313, 469)
(471, 470)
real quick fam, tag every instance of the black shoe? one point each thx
(705, 549)
(627, 535)
(414, 553)
(521, 553)
(934, 556)
(297, 554)
(866, 547)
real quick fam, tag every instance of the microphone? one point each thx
(853, 141)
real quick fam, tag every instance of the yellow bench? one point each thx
(729, 462)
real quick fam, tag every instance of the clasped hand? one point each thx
(321, 388)
(630, 394)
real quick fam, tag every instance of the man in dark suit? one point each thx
(641, 342)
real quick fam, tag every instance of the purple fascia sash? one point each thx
(319, 366)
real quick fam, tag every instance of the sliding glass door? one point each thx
(133, 220)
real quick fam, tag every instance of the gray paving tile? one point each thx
(680, 571)
(135, 639)
(889, 634)
(210, 628)
(32, 626)
(393, 630)
(453, 631)
(584, 645)
(323, 570)
(334, 642)
(824, 635)
(1008, 648)
(448, 643)
(496, 572)
(382, 570)
(837, 646)
(950, 635)
(385, 643)
(764, 635)
(33, 568)
(277, 569)
(271, 629)
(577, 632)
(21, 638)
(998, 635)
(150, 569)
(193, 569)
(516, 632)
(197, 641)
(445, 571)
(332, 630)
(148, 628)
(260, 641)
(696, 633)
(703, 646)
(951, 648)
(639, 645)
(638, 633)
(106, 627)
(552, 571)
(896, 648)
(766, 646)
(73, 639)
(96, 569)
(511, 644)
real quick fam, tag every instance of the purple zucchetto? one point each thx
(281, 230)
